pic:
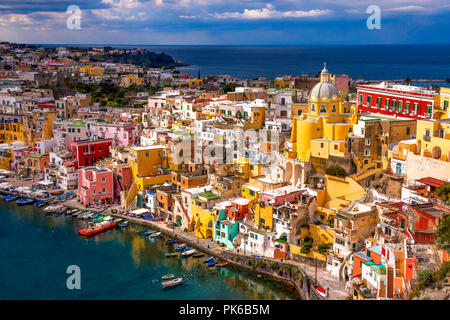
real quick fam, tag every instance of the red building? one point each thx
(397, 100)
(87, 152)
(46, 104)
(95, 186)
(237, 210)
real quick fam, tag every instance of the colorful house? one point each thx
(95, 186)
(225, 230)
(88, 152)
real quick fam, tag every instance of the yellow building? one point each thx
(203, 215)
(338, 194)
(263, 213)
(147, 165)
(282, 82)
(10, 132)
(130, 79)
(195, 82)
(441, 108)
(92, 70)
(322, 130)
(433, 139)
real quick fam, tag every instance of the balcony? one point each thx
(426, 138)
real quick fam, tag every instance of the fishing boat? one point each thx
(10, 198)
(52, 208)
(180, 247)
(168, 276)
(154, 235)
(149, 232)
(88, 216)
(93, 230)
(23, 202)
(208, 259)
(198, 255)
(98, 219)
(321, 291)
(212, 263)
(171, 255)
(123, 224)
(172, 283)
(171, 241)
(188, 253)
(76, 213)
(221, 264)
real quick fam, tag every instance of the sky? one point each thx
(224, 22)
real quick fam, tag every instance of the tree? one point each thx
(443, 234)
(425, 276)
(231, 86)
(444, 191)
(336, 171)
(407, 81)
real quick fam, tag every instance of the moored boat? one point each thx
(23, 202)
(208, 259)
(39, 203)
(221, 264)
(212, 263)
(90, 231)
(172, 283)
(180, 247)
(321, 291)
(198, 255)
(171, 241)
(171, 254)
(154, 235)
(123, 224)
(188, 253)
(168, 276)
(10, 198)
(149, 232)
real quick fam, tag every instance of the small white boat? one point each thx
(155, 235)
(188, 253)
(172, 283)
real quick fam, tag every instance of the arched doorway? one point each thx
(436, 152)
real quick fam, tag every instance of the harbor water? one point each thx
(36, 250)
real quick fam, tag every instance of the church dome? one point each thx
(324, 89)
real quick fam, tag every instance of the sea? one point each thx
(36, 249)
(368, 62)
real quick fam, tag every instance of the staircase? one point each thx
(131, 195)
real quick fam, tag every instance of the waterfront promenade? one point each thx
(336, 288)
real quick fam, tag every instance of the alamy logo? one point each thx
(74, 20)
(374, 20)
(74, 280)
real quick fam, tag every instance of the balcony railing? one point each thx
(426, 138)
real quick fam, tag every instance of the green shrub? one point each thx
(425, 276)
(336, 171)
(324, 247)
(306, 248)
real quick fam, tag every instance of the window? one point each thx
(361, 99)
(335, 147)
(367, 142)
(103, 180)
(334, 108)
(408, 131)
(321, 144)
(367, 152)
(400, 106)
(415, 108)
(323, 109)
(378, 102)
(445, 105)
(386, 104)
(407, 106)
(313, 108)
(369, 101)
(393, 104)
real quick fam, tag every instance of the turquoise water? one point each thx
(36, 249)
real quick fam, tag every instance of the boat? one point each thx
(171, 241)
(61, 210)
(76, 213)
(321, 291)
(52, 208)
(172, 283)
(221, 264)
(88, 216)
(198, 255)
(98, 219)
(208, 259)
(123, 224)
(155, 235)
(23, 202)
(171, 255)
(212, 263)
(180, 247)
(188, 253)
(149, 232)
(93, 230)
(9, 198)
(168, 276)
(39, 203)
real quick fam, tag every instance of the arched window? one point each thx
(334, 108)
(323, 109)
(313, 107)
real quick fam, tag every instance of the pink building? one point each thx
(281, 195)
(95, 185)
(121, 134)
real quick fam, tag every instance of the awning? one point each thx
(140, 211)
